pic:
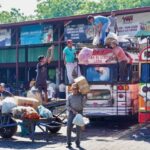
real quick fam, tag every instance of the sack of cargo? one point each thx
(110, 37)
(20, 111)
(44, 112)
(35, 94)
(26, 101)
(82, 84)
(8, 104)
(31, 114)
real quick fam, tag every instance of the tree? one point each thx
(58, 8)
(14, 15)
(61, 8)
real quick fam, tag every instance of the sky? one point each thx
(26, 6)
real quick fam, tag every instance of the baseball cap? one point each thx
(69, 41)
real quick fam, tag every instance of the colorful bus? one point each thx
(107, 96)
(144, 86)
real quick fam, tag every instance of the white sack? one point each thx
(8, 104)
(78, 120)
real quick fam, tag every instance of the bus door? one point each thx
(144, 86)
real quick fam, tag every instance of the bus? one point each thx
(144, 85)
(107, 96)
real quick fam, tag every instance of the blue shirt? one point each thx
(69, 54)
(100, 19)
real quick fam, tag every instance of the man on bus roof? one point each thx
(119, 54)
(69, 56)
(100, 25)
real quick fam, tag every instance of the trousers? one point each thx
(70, 67)
(104, 30)
(70, 127)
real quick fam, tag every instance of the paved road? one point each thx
(103, 135)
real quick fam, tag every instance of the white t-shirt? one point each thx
(50, 92)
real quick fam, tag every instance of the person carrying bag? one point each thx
(75, 104)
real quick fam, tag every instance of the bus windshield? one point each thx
(108, 74)
(100, 74)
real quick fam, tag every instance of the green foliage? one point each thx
(58, 8)
(61, 8)
(14, 15)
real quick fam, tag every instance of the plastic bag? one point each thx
(96, 40)
(84, 55)
(44, 112)
(8, 104)
(78, 120)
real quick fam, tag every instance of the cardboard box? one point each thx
(26, 101)
(83, 84)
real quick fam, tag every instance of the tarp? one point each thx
(143, 33)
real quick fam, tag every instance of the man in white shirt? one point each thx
(62, 90)
(51, 89)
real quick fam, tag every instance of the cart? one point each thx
(8, 125)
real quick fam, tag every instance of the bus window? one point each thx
(135, 73)
(145, 72)
(99, 95)
(97, 74)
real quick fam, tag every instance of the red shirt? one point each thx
(120, 54)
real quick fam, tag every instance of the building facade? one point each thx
(21, 43)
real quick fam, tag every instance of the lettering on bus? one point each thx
(127, 19)
(100, 56)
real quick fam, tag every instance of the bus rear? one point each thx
(107, 96)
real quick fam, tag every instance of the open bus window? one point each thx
(98, 74)
(145, 72)
(99, 95)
